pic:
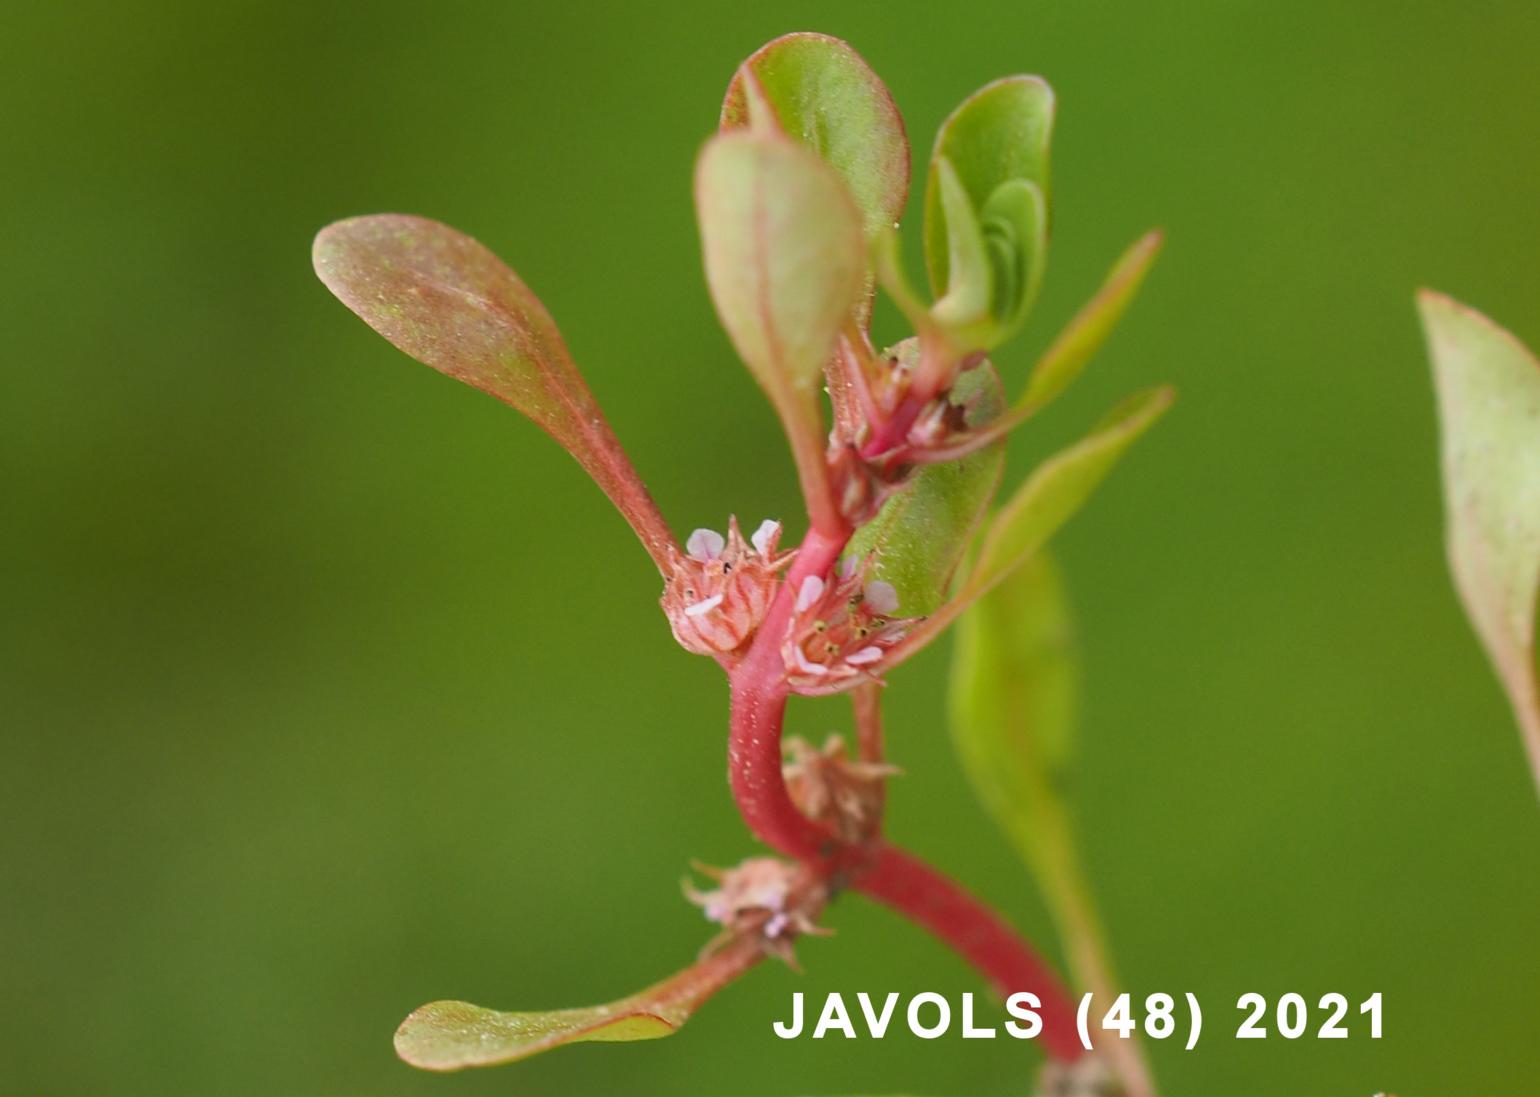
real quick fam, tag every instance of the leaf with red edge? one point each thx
(450, 303)
(454, 1035)
(824, 95)
(1489, 410)
(785, 264)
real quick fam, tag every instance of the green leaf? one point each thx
(1058, 488)
(455, 1035)
(999, 133)
(785, 262)
(964, 309)
(1013, 705)
(1015, 226)
(824, 95)
(1091, 326)
(447, 301)
(1013, 702)
(919, 536)
(1489, 405)
(1051, 495)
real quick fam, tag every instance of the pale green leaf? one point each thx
(964, 309)
(1489, 406)
(918, 537)
(1058, 488)
(1013, 699)
(447, 301)
(1085, 334)
(1048, 498)
(455, 1035)
(824, 95)
(999, 133)
(784, 257)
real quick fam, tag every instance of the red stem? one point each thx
(916, 890)
(877, 869)
(759, 711)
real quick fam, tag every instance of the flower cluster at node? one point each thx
(760, 896)
(841, 630)
(841, 792)
(719, 589)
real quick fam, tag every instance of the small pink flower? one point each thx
(720, 588)
(841, 631)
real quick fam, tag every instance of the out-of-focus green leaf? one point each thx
(920, 534)
(1013, 698)
(784, 259)
(1086, 333)
(455, 1035)
(447, 301)
(1058, 487)
(1013, 701)
(999, 133)
(1048, 498)
(824, 95)
(1489, 405)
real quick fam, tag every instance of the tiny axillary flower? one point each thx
(760, 896)
(719, 589)
(843, 793)
(841, 630)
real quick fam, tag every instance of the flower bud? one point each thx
(838, 791)
(763, 896)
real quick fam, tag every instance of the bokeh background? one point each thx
(329, 687)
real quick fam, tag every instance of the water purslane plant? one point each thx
(799, 197)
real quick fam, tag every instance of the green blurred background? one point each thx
(329, 687)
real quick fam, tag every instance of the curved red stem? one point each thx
(902, 881)
(876, 869)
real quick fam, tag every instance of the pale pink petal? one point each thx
(864, 657)
(765, 536)
(812, 590)
(705, 544)
(702, 607)
(880, 597)
(848, 567)
(815, 669)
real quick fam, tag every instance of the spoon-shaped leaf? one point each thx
(1062, 362)
(919, 536)
(999, 133)
(1049, 497)
(824, 95)
(1489, 405)
(455, 1035)
(785, 263)
(447, 301)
